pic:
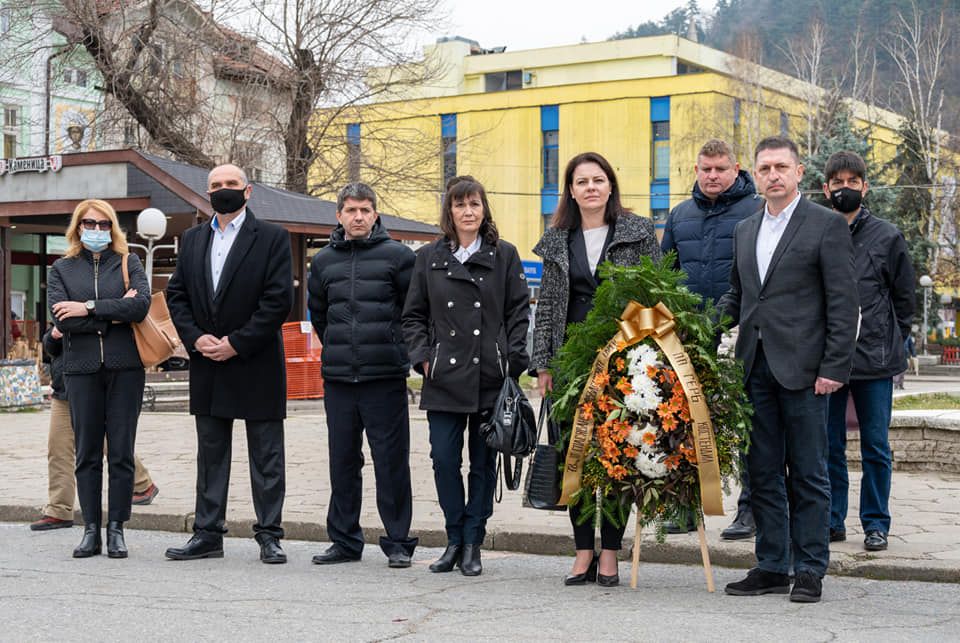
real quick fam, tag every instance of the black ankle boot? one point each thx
(470, 561)
(449, 560)
(116, 548)
(90, 544)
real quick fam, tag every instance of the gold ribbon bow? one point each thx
(636, 324)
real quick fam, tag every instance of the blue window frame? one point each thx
(550, 158)
(353, 151)
(448, 141)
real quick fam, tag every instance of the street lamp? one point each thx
(152, 225)
(927, 284)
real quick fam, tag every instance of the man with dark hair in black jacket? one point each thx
(885, 283)
(700, 231)
(358, 284)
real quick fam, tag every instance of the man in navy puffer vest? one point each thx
(700, 231)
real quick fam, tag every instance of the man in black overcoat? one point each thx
(229, 296)
(793, 292)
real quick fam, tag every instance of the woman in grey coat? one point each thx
(589, 227)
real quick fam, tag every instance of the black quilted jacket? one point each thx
(105, 337)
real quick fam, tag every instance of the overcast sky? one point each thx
(529, 24)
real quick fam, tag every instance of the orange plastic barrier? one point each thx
(302, 349)
(950, 355)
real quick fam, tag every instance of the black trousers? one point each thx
(379, 408)
(267, 476)
(105, 404)
(611, 537)
(465, 517)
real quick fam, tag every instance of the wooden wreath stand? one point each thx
(704, 555)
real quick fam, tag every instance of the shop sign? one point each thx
(32, 164)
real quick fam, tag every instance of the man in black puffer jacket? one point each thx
(700, 231)
(885, 285)
(358, 284)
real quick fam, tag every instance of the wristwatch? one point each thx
(90, 305)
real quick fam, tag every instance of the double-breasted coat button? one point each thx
(476, 304)
(449, 273)
(476, 331)
(476, 360)
(445, 263)
(453, 360)
(433, 265)
(453, 333)
(481, 278)
(449, 304)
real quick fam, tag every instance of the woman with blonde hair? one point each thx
(93, 307)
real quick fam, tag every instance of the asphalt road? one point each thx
(47, 595)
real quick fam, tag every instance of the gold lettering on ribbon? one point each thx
(637, 323)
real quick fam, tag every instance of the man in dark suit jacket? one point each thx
(231, 324)
(794, 295)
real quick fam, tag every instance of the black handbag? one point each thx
(511, 430)
(544, 477)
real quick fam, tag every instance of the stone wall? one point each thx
(921, 441)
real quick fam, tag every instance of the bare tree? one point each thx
(805, 52)
(917, 43)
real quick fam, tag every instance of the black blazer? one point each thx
(807, 308)
(249, 306)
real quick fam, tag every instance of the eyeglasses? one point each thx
(93, 224)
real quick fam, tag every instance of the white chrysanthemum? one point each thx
(635, 437)
(645, 396)
(639, 358)
(648, 462)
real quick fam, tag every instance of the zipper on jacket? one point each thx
(436, 356)
(499, 359)
(353, 317)
(96, 295)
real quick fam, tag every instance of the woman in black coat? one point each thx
(589, 227)
(465, 323)
(93, 308)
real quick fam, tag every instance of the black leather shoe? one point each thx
(270, 551)
(807, 588)
(608, 581)
(875, 541)
(90, 544)
(589, 576)
(759, 582)
(448, 561)
(116, 548)
(672, 527)
(197, 547)
(838, 535)
(333, 556)
(470, 561)
(743, 526)
(399, 560)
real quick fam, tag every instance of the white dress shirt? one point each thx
(771, 230)
(593, 239)
(462, 254)
(222, 242)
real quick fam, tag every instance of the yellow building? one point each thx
(513, 119)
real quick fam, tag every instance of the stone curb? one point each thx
(680, 551)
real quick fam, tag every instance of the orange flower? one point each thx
(663, 409)
(610, 449)
(602, 379)
(651, 371)
(587, 409)
(631, 451)
(672, 461)
(604, 403)
(668, 422)
(619, 472)
(624, 386)
(649, 438)
(620, 364)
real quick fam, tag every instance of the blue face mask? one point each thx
(95, 240)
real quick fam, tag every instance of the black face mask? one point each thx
(227, 201)
(846, 200)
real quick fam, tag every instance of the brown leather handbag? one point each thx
(156, 336)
